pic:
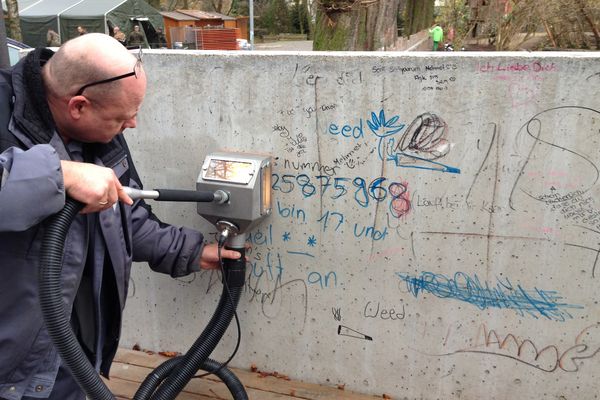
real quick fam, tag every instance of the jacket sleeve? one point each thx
(31, 187)
(168, 249)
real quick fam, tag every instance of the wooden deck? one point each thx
(131, 368)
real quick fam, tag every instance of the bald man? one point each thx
(62, 118)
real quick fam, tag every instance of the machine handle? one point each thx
(184, 195)
(193, 196)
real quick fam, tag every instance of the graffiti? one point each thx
(549, 358)
(364, 193)
(337, 313)
(383, 313)
(423, 142)
(349, 332)
(544, 146)
(504, 295)
(270, 298)
(535, 66)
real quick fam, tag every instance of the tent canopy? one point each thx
(63, 16)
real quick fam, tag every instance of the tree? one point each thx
(13, 26)
(418, 15)
(220, 6)
(274, 16)
(356, 24)
(568, 23)
(455, 17)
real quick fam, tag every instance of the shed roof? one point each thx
(206, 15)
(177, 16)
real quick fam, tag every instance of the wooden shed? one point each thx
(210, 19)
(176, 21)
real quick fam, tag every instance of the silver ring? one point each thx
(103, 203)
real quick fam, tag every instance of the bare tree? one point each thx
(567, 23)
(356, 24)
(221, 6)
(586, 14)
(13, 27)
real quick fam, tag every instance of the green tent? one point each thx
(63, 16)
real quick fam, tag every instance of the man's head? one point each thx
(83, 108)
(116, 29)
(136, 28)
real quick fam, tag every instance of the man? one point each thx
(135, 38)
(61, 121)
(437, 35)
(119, 35)
(161, 40)
(81, 30)
(52, 39)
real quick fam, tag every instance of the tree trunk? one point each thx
(13, 24)
(356, 25)
(590, 21)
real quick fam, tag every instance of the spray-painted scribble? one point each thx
(423, 142)
(542, 149)
(550, 358)
(503, 295)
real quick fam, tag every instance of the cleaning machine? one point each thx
(233, 193)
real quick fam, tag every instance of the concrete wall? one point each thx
(436, 226)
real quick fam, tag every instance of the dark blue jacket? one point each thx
(31, 189)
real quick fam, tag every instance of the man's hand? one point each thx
(210, 256)
(96, 187)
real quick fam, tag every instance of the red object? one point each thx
(217, 39)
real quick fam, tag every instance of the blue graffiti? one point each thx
(260, 238)
(436, 165)
(301, 253)
(462, 287)
(322, 279)
(312, 241)
(286, 237)
(384, 129)
(369, 232)
(419, 144)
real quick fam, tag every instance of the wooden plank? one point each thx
(123, 389)
(252, 381)
(204, 387)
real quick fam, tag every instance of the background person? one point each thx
(52, 39)
(135, 38)
(119, 35)
(65, 138)
(437, 35)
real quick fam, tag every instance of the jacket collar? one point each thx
(31, 109)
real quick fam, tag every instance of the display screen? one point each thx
(229, 171)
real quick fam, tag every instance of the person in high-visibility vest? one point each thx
(437, 34)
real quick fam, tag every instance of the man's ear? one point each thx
(77, 106)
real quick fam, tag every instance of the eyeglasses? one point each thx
(135, 72)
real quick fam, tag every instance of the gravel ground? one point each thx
(285, 45)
